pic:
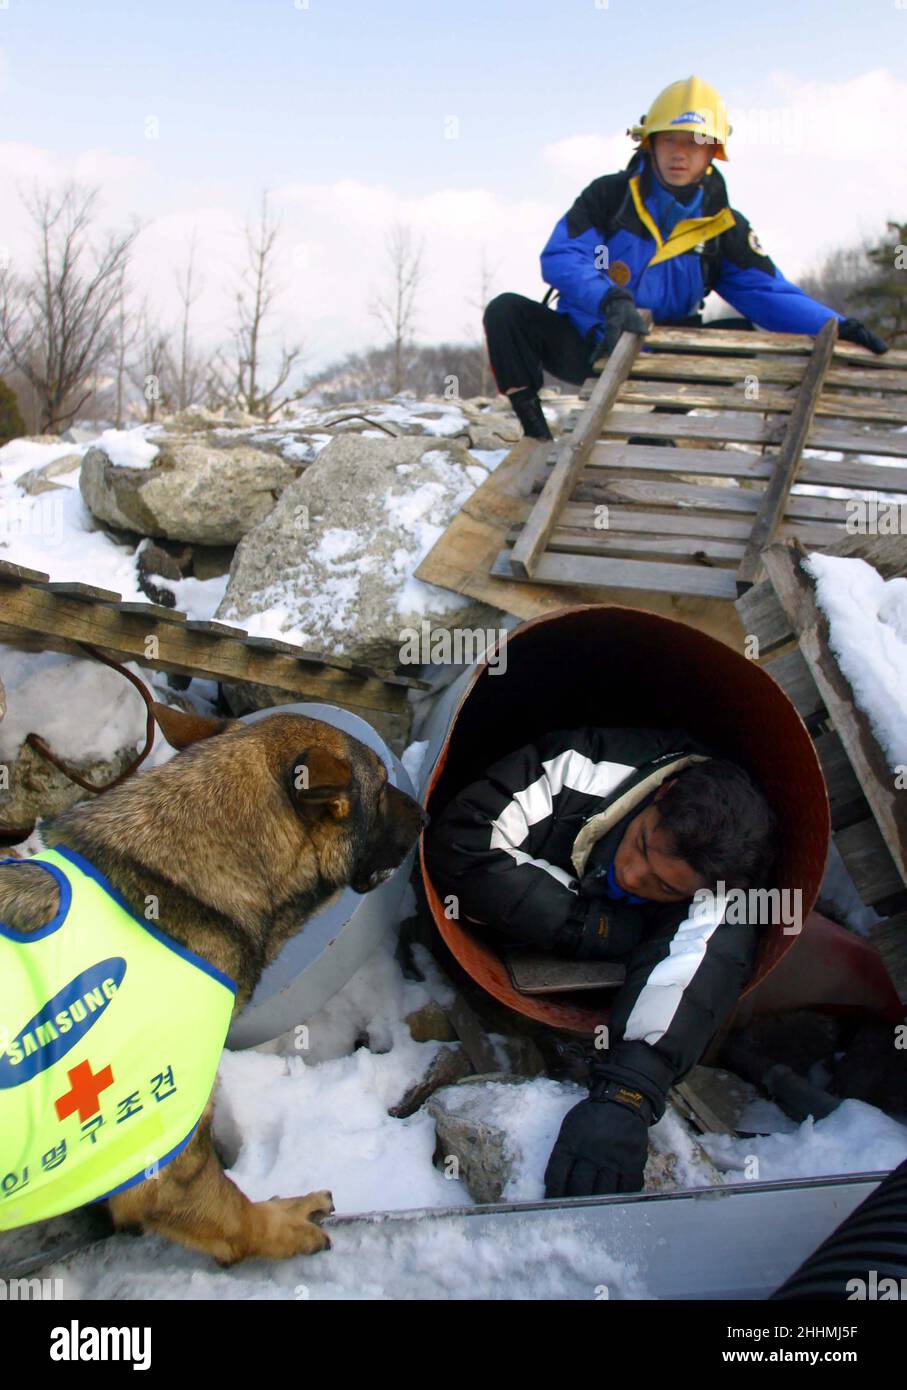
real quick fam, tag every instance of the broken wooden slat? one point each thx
(786, 464)
(797, 596)
(557, 488)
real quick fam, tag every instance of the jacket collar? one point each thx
(647, 780)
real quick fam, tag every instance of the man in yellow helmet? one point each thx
(659, 235)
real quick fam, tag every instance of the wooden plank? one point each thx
(890, 939)
(158, 611)
(869, 862)
(743, 464)
(21, 574)
(767, 371)
(580, 540)
(796, 595)
(762, 616)
(763, 340)
(845, 795)
(187, 648)
(686, 521)
(701, 581)
(700, 497)
(84, 593)
(749, 429)
(793, 675)
(696, 395)
(556, 491)
(784, 472)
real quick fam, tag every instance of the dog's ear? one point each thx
(320, 781)
(180, 729)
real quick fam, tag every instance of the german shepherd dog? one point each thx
(238, 849)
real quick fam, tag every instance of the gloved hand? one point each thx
(853, 331)
(621, 316)
(602, 1145)
(607, 929)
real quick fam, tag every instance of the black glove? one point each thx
(607, 929)
(853, 331)
(602, 1145)
(603, 1141)
(621, 316)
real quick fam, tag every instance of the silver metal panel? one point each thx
(738, 1241)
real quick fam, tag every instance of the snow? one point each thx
(128, 448)
(855, 1138)
(867, 620)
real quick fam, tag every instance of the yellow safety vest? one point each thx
(110, 1038)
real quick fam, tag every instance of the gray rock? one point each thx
(466, 1131)
(448, 1066)
(338, 550)
(192, 491)
(42, 479)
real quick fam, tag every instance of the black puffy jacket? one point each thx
(513, 847)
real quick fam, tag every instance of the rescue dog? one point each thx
(239, 838)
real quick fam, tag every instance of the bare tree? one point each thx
(126, 331)
(240, 379)
(395, 307)
(57, 324)
(486, 279)
(155, 373)
(192, 368)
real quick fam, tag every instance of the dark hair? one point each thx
(721, 824)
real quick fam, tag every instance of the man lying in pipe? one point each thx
(613, 844)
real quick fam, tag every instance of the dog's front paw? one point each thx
(294, 1228)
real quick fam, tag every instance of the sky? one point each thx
(475, 123)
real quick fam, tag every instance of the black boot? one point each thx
(528, 410)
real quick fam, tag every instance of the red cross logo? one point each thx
(84, 1093)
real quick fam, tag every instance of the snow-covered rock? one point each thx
(331, 566)
(188, 490)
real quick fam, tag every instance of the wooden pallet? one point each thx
(693, 520)
(58, 616)
(869, 813)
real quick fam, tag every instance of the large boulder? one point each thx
(190, 491)
(331, 566)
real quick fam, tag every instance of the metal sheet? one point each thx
(730, 1242)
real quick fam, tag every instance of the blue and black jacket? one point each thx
(627, 230)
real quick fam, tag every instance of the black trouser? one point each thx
(525, 337)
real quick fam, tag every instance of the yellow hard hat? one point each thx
(689, 104)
